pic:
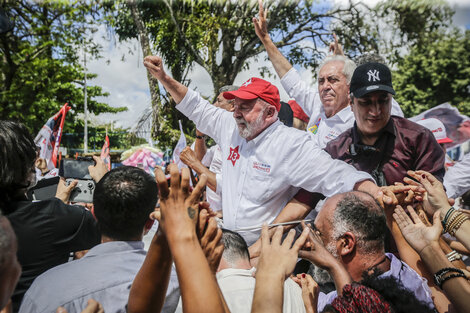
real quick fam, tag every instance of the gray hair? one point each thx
(370, 57)
(228, 88)
(364, 218)
(235, 247)
(348, 67)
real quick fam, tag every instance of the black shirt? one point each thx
(47, 231)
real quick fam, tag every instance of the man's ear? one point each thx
(347, 244)
(270, 111)
(148, 226)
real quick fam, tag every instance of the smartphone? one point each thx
(44, 189)
(78, 169)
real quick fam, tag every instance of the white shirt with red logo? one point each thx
(323, 129)
(261, 175)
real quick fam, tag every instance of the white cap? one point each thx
(438, 129)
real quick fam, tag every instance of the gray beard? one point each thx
(250, 128)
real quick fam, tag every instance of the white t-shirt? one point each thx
(261, 175)
(457, 178)
(238, 287)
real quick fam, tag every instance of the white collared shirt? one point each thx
(261, 175)
(457, 178)
(322, 129)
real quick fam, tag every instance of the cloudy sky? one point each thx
(126, 81)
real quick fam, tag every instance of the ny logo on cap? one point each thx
(373, 75)
(245, 84)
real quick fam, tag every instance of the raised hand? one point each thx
(211, 243)
(154, 64)
(335, 47)
(188, 157)
(261, 26)
(93, 306)
(284, 253)
(179, 207)
(98, 170)
(416, 233)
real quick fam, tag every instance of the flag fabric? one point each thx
(48, 138)
(105, 153)
(180, 145)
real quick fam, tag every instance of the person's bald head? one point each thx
(357, 213)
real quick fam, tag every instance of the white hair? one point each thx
(348, 65)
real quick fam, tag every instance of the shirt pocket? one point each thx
(259, 187)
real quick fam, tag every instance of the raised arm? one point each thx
(280, 63)
(151, 282)
(155, 66)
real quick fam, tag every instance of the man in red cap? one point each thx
(258, 152)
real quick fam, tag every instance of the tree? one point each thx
(219, 36)
(40, 68)
(435, 73)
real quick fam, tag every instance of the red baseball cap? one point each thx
(256, 88)
(298, 112)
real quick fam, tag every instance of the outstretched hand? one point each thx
(284, 253)
(179, 207)
(435, 197)
(261, 26)
(416, 233)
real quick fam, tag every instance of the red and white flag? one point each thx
(48, 138)
(105, 152)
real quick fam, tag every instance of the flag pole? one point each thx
(85, 138)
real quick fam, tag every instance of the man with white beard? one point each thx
(352, 227)
(264, 162)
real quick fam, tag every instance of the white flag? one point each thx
(178, 148)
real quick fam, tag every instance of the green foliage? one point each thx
(435, 73)
(40, 62)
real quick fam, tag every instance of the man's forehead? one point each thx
(332, 68)
(379, 93)
(244, 102)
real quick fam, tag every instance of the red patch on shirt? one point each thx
(234, 155)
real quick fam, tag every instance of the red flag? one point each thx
(105, 153)
(50, 135)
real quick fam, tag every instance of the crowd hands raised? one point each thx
(394, 246)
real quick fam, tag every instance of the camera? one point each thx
(77, 169)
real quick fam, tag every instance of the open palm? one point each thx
(417, 234)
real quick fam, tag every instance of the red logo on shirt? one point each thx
(234, 155)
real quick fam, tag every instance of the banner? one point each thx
(178, 148)
(105, 153)
(457, 125)
(48, 138)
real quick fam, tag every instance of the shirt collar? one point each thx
(266, 132)
(389, 129)
(344, 115)
(114, 246)
(235, 272)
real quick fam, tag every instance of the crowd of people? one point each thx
(331, 202)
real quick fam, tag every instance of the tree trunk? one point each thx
(153, 82)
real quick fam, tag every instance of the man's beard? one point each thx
(322, 276)
(250, 128)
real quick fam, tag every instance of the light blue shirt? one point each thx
(403, 273)
(105, 274)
